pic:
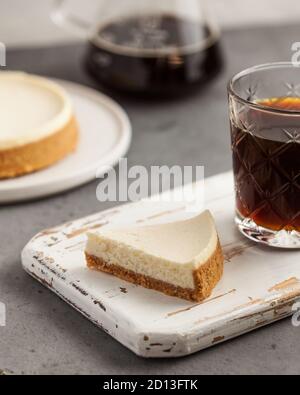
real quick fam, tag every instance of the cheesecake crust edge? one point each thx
(205, 278)
(29, 158)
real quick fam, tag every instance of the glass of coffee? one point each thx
(157, 47)
(264, 104)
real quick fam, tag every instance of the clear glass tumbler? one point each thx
(264, 106)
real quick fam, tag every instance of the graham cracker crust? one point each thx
(205, 278)
(35, 156)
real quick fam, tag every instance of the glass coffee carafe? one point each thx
(157, 47)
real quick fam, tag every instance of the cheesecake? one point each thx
(37, 124)
(181, 259)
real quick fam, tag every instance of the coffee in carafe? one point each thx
(151, 48)
(154, 55)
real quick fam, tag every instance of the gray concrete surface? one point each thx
(44, 335)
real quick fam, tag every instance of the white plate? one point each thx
(105, 136)
(260, 285)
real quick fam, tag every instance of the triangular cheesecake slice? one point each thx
(182, 259)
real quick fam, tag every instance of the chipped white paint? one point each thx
(259, 286)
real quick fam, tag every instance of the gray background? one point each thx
(45, 336)
(27, 22)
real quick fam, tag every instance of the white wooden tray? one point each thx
(259, 286)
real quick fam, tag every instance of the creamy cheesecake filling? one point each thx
(170, 253)
(31, 108)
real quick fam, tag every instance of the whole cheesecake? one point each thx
(182, 259)
(37, 124)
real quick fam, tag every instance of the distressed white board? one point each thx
(260, 285)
